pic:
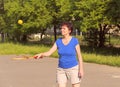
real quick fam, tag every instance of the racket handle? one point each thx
(36, 57)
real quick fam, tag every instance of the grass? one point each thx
(101, 59)
(115, 40)
(12, 48)
(108, 56)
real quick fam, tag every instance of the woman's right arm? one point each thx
(48, 53)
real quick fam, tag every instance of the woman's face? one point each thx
(65, 30)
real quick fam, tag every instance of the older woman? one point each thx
(70, 60)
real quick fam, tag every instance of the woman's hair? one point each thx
(69, 25)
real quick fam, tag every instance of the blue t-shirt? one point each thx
(67, 53)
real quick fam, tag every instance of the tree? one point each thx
(34, 14)
(92, 15)
(2, 7)
(2, 24)
(38, 18)
(113, 11)
(60, 10)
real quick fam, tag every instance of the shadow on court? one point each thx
(42, 73)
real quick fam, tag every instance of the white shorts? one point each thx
(71, 73)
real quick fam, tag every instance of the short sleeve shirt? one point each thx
(67, 53)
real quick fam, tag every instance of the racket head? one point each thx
(22, 58)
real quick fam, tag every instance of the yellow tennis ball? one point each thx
(20, 21)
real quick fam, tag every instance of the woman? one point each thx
(70, 65)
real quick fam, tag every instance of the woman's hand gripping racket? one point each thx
(38, 56)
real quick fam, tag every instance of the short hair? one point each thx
(69, 26)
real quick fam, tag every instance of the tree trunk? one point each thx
(2, 37)
(42, 33)
(55, 33)
(24, 38)
(102, 35)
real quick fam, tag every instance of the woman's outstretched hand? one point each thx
(38, 56)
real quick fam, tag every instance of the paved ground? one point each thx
(41, 73)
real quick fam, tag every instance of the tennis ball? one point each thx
(20, 21)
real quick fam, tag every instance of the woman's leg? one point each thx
(61, 77)
(75, 79)
(61, 85)
(76, 85)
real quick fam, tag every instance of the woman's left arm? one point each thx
(80, 60)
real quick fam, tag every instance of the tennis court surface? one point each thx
(42, 73)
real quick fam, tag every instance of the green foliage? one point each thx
(65, 8)
(39, 15)
(92, 37)
(34, 14)
(91, 13)
(113, 11)
(2, 24)
(60, 10)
